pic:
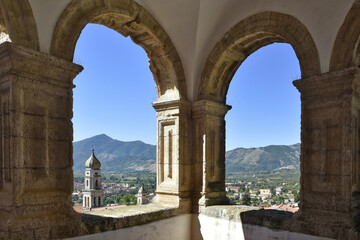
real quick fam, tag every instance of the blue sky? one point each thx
(113, 94)
(266, 106)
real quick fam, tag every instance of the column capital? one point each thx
(38, 66)
(172, 105)
(208, 107)
(330, 84)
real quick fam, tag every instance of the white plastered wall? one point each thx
(172, 228)
(195, 26)
(212, 228)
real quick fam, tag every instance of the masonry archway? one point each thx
(129, 19)
(173, 111)
(18, 21)
(346, 50)
(245, 38)
(238, 43)
(329, 120)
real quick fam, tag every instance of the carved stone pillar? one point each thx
(36, 178)
(330, 173)
(209, 167)
(172, 155)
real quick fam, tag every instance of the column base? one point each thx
(213, 198)
(181, 201)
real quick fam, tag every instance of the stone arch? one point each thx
(129, 19)
(3, 24)
(346, 50)
(245, 38)
(18, 21)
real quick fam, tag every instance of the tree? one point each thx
(230, 193)
(272, 189)
(113, 178)
(129, 199)
(246, 200)
(296, 197)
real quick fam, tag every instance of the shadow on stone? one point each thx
(275, 219)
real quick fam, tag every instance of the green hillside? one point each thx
(121, 157)
(115, 155)
(273, 157)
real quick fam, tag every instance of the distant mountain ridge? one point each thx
(118, 156)
(269, 158)
(115, 155)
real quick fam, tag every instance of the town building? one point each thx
(233, 188)
(265, 192)
(279, 190)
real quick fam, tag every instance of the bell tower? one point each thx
(93, 195)
(141, 196)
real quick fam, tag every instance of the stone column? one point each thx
(172, 155)
(209, 167)
(330, 173)
(36, 178)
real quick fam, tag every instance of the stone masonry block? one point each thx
(56, 103)
(34, 127)
(60, 154)
(59, 129)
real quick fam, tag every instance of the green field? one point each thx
(289, 179)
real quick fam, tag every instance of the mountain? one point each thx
(119, 156)
(270, 158)
(115, 155)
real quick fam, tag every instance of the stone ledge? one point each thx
(113, 219)
(274, 219)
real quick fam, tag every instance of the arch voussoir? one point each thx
(344, 53)
(251, 34)
(20, 23)
(129, 19)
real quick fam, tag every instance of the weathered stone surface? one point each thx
(329, 141)
(101, 221)
(36, 140)
(129, 19)
(19, 23)
(245, 38)
(345, 52)
(173, 166)
(210, 151)
(36, 130)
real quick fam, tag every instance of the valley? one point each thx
(249, 171)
